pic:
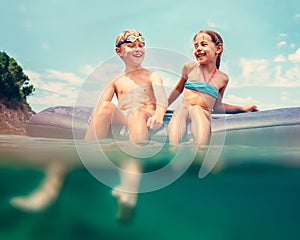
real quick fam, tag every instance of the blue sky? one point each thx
(59, 44)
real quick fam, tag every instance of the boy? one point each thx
(142, 103)
(140, 93)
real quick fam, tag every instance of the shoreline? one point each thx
(13, 121)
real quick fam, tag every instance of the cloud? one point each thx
(280, 58)
(254, 72)
(292, 76)
(297, 16)
(292, 45)
(233, 99)
(295, 57)
(286, 77)
(253, 66)
(86, 69)
(67, 77)
(53, 87)
(215, 25)
(281, 44)
(35, 78)
(41, 99)
(289, 98)
(282, 35)
(262, 104)
(263, 72)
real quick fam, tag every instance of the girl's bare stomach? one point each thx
(199, 99)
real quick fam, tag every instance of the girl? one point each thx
(204, 86)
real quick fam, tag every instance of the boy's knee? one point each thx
(104, 108)
(139, 115)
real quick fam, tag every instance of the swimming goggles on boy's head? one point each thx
(131, 39)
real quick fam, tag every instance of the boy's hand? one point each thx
(154, 123)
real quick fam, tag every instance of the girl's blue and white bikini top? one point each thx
(203, 87)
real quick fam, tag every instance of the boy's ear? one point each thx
(118, 50)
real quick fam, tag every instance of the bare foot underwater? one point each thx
(126, 204)
(47, 192)
(127, 192)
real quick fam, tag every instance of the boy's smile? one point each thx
(138, 55)
(133, 53)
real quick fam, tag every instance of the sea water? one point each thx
(253, 192)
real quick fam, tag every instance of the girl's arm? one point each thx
(178, 89)
(228, 108)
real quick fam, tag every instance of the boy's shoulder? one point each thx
(114, 77)
(149, 73)
(142, 73)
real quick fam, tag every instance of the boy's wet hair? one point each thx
(216, 39)
(123, 35)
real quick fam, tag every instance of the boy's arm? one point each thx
(156, 120)
(107, 95)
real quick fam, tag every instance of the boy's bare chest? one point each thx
(125, 85)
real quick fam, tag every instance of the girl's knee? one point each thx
(200, 113)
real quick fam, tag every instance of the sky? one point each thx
(67, 47)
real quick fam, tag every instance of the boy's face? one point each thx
(132, 52)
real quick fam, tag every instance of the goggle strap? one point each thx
(133, 39)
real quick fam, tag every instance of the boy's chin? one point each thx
(137, 61)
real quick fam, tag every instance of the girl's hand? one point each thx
(250, 108)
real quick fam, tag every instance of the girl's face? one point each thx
(132, 53)
(205, 50)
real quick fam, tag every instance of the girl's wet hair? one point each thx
(123, 35)
(216, 39)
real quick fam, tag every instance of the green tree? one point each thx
(14, 84)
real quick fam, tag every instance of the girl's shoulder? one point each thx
(189, 66)
(222, 79)
(223, 75)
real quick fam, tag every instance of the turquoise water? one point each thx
(253, 193)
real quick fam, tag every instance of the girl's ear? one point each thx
(219, 48)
